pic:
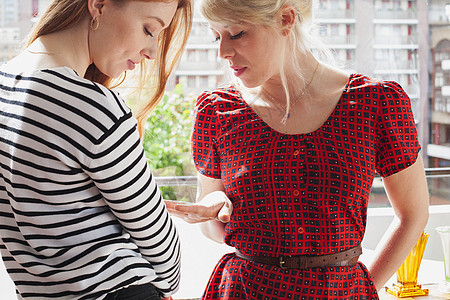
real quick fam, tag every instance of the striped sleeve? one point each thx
(129, 189)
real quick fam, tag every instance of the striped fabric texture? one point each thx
(80, 212)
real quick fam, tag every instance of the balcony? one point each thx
(439, 151)
(339, 39)
(396, 15)
(392, 63)
(190, 65)
(206, 39)
(437, 16)
(395, 40)
(334, 14)
(378, 198)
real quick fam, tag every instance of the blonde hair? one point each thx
(62, 14)
(265, 12)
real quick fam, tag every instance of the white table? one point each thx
(431, 273)
(200, 255)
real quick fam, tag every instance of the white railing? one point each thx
(192, 180)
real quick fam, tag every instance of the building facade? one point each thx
(439, 144)
(200, 67)
(385, 39)
(9, 29)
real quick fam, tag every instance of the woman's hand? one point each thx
(214, 206)
(212, 210)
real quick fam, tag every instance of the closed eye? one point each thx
(237, 36)
(147, 32)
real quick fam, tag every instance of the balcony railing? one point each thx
(334, 14)
(396, 40)
(192, 180)
(395, 15)
(438, 184)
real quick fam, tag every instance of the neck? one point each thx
(296, 89)
(65, 48)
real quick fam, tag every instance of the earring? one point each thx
(94, 24)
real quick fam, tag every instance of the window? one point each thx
(388, 49)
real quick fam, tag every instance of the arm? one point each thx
(120, 172)
(213, 208)
(408, 193)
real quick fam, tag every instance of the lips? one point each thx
(131, 65)
(238, 70)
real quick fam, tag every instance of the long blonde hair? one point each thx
(265, 12)
(62, 14)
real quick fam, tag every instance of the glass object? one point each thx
(406, 285)
(444, 233)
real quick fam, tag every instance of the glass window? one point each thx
(387, 48)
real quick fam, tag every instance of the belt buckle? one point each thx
(282, 262)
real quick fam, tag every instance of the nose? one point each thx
(149, 52)
(226, 50)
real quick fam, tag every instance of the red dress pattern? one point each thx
(300, 194)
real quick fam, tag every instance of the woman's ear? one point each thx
(288, 17)
(95, 7)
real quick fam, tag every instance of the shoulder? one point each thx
(375, 92)
(66, 97)
(359, 82)
(66, 91)
(87, 93)
(222, 98)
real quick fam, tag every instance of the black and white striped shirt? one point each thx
(80, 213)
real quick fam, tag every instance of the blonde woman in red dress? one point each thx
(286, 159)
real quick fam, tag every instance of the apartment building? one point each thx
(386, 39)
(375, 37)
(200, 67)
(439, 145)
(9, 29)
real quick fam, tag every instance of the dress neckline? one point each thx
(346, 87)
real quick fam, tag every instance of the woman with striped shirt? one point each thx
(80, 214)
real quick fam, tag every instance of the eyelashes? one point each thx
(233, 37)
(147, 32)
(237, 36)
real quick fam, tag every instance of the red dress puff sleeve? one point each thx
(397, 144)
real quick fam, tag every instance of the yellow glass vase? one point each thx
(406, 285)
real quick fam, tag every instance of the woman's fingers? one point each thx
(219, 208)
(190, 212)
(224, 214)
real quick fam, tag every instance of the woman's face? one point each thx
(127, 33)
(252, 51)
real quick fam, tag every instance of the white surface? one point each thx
(198, 259)
(200, 255)
(7, 290)
(379, 219)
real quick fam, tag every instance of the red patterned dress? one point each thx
(300, 194)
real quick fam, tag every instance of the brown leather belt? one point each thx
(348, 257)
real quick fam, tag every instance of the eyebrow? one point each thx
(158, 19)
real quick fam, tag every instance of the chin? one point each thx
(248, 84)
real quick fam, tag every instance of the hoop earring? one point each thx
(94, 24)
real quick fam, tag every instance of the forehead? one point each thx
(222, 26)
(160, 10)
